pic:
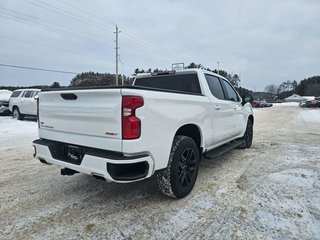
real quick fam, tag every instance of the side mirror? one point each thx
(36, 97)
(246, 99)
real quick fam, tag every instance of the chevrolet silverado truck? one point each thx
(163, 124)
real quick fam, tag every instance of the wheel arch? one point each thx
(193, 131)
(14, 106)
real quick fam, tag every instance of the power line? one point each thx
(62, 50)
(67, 14)
(55, 48)
(78, 18)
(138, 41)
(36, 20)
(36, 69)
(46, 27)
(127, 34)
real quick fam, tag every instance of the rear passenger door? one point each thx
(27, 102)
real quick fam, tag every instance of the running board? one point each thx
(222, 150)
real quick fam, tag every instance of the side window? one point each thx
(215, 86)
(34, 93)
(231, 94)
(15, 94)
(27, 94)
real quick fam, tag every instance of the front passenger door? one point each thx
(234, 101)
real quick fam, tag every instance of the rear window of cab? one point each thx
(188, 83)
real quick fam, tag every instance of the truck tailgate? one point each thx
(84, 117)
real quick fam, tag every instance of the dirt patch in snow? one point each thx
(271, 191)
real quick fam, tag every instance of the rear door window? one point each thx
(28, 94)
(230, 92)
(215, 86)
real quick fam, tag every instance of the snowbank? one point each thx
(310, 116)
(17, 134)
(5, 95)
(286, 104)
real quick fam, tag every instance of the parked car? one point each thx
(162, 125)
(264, 103)
(302, 103)
(4, 108)
(315, 103)
(23, 103)
(260, 103)
(256, 104)
(4, 101)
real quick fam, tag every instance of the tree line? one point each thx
(306, 87)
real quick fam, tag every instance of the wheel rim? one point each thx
(187, 167)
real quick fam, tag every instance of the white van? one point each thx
(23, 102)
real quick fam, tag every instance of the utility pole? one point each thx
(117, 48)
(122, 76)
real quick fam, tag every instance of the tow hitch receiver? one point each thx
(68, 172)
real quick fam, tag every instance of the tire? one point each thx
(16, 114)
(248, 136)
(178, 179)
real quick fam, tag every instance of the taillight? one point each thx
(131, 125)
(38, 113)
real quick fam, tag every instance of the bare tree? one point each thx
(271, 89)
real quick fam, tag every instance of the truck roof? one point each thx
(27, 89)
(188, 70)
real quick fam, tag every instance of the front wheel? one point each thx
(248, 135)
(16, 114)
(178, 179)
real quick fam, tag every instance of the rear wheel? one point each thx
(16, 114)
(178, 179)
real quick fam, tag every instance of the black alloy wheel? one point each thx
(187, 167)
(178, 178)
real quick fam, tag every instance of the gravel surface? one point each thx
(271, 191)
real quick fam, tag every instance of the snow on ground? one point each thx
(17, 134)
(270, 191)
(286, 104)
(310, 116)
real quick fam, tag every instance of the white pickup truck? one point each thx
(161, 125)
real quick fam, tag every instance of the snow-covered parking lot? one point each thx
(271, 191)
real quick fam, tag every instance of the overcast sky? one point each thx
(262, 41)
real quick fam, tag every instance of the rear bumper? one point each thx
(112, 166)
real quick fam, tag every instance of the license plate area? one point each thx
(67, 153)
(74, 154)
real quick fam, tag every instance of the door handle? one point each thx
(217, 107)
(234, 107)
